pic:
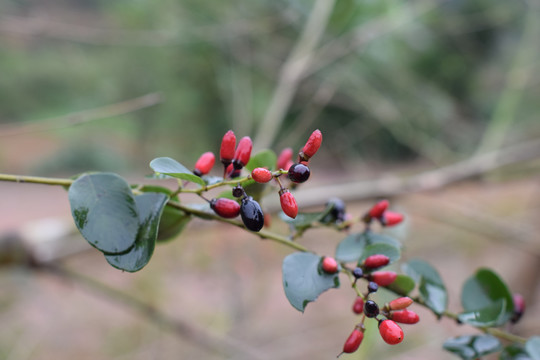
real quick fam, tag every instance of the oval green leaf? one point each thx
(431, 287)
(150, 206)
(352, 247)
(471, 347)
(104, 211)
(514, 352)
(533, 347)
(305, 220)
(403, 285)
(486, 295)
(264, 158)
(173, 221)
(391, 251)
(171, 167)
(303, 280)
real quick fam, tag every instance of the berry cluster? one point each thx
(389, 315)
(235, 157)
(380, 213)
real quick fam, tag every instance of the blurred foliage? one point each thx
(427, 88)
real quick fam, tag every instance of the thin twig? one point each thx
(292, 72)
(202, 338)
(81, 117)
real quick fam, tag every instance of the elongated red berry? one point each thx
(400, 303)
(288, 203)
(519, 307)
(391, 218)
(284, 158)
(329, 265)
(228, 144)
(353, 341)
(261, 175)
(224, 207)
(405, 316)
(242, 153)
(204, 164)
(390, 332)
(358, 305)
(378, 209)
(376, 261)
(312, 145)
(383, 278)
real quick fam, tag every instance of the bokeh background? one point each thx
(397, 88)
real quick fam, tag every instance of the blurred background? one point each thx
(433, 104)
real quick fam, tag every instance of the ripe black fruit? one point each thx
(251, 213)
(358, 273)
(298, 173)
(371, 309)
(372, 287)
(337, 213)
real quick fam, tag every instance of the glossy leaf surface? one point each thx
(150, 207)
(264, 159)
(431, 287)
(304, 280)
(171, 167)
(403, 285)
(104, 211)
(533, 347)
(471, 347)
(353, 246)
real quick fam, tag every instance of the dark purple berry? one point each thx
(372, 287)
(338, 209)
(238, 191)
(251, 213)
(298, 173)
(358, 273)
(371, 309)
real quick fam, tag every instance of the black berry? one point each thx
(371, 309)
(358, 273)
(338, 209)
(238, 191)
(251, 213)
(372, 287)
(298, 173)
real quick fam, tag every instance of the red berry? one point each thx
(284, 158)
(204, 164)
(312, 145)
(329, 265)
(261, 175)
(519, 307)
(358, 306)
(288, 203)
(391, 218)
(228, 143)
(224, 207)
(376, 261)
(383, 278)
(405, 317)
(353, 341)
(400, 303)
(378, 209)
(298, 173)
(243, 152)
(390, 332)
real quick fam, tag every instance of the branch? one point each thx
(81, 117)
(202, 338)
(292, 72)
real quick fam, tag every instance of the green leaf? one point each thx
(471, 347)
(171, 167)
(431, 287)
(264, 158)
(104, 211)
(491, 315)
(352, 247)
(173, 221)
(211, 180)
(403, 285)
(514, 352)
(150, 207)
(153, 189)
(380, 248)
(487, 295)
(303, 279)
(533, 347)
